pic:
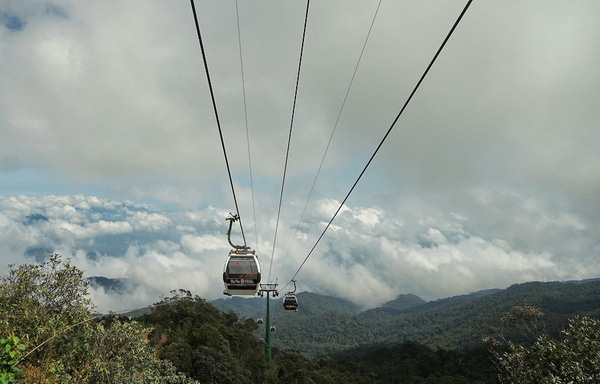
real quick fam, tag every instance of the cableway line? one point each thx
(385, 136)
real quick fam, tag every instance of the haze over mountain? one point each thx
(158, 251)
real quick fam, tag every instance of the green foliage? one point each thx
(49, 335)
(453, 323)
(295, 368)
(401, 304)
(204, 343)
(39, 299)
(180, 354)
(39, 304)
(573, 358)
(411, 362)
(311, 304)
(120, 353)
(215, 347)
(11, 350)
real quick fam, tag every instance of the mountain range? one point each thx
(326, 324)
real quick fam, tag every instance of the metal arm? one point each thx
(294, 291)
(231, 219)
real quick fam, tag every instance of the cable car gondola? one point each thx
(241, 273)
(290, 302)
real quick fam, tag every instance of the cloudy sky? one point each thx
(490, 177)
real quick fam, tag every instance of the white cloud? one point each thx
(197, 244)
(369, 259)
(369, 217)
(492, 167)
(149, 221)
(435, 236)
(111, 227)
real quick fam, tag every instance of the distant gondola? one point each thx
(259, 321)
(241, 273)
(290, 303)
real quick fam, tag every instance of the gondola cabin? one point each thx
(241, 273)
(290, 303)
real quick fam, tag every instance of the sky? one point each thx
(489, 178)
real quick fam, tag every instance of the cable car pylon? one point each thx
(271, 290)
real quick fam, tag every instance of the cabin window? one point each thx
(239, 266)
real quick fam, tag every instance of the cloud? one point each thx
(369, 257)
(487, 179)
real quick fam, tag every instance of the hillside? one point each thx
(401, 304)
(324, 324)
(311, 304)
(109, 284)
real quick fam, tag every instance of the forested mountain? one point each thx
(50, 335)
(109, 285)
(401, 304)
(46, 321)
(312, 304)
(411, 362)
(324, 325)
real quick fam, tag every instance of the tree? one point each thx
(48, 334)
(120, 353)
(573, 358)
(39, 304)
(210, 346)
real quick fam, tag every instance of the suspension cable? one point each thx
(332, 133)
(237, 14)
(289, 139)
(212, 96)
(385, 136)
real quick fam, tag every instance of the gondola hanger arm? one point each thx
(231, 219)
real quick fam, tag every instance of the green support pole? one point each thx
(268, 289)
(268, 330)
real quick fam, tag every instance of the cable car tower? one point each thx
(241, 273)
(269, 289)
